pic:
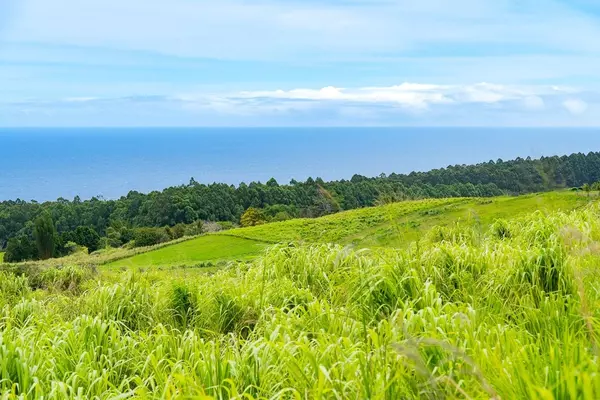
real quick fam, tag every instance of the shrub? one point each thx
(252, 217)
(20, 249)
(178, 231)
(225, 225)
(149, 236)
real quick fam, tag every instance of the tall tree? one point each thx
(45, 236)
(252, 217)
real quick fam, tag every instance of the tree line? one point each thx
(97, 222)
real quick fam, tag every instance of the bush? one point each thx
(178, 231)
(72, 248)
(252, 217)
(282, 216)
(20, 249)
(149, 236)
(226, 225)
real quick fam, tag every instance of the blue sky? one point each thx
(298, 63)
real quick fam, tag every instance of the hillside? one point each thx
(400, 223)
(187, 204)
(509, 313)
(394, 225)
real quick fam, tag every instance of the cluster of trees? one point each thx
(116, 220)
(45, 242)
(40, 240)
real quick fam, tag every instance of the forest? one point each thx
(85, 222)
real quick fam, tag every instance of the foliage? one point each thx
(252, 217)
(498, 317)
(19, 249)
(45, 234)
(72, 248)
(187, 204)
(88, 237)
(149, 236)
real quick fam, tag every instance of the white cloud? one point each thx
(575, 106)
(419, 96)
(406, 104)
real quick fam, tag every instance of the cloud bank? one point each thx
(412, 104)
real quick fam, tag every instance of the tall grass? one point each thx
(510, 312)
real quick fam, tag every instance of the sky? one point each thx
(300, 63)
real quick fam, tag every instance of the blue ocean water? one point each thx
(44, 164)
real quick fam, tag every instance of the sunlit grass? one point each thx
(509, 311)
(192, 252)
(400, 224)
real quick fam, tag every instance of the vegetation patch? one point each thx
(506, 313)
(194, 251)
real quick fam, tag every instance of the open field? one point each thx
(507, 313)
(399, 224)
(191, 252)
(394, 225)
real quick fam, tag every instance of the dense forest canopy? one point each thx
(194, 202)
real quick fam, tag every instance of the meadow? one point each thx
(500, 303)
(193, 252)
(395, 225)
(399, 224)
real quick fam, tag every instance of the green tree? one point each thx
(149, 236)
(19, 249)
(113, 237)
(88, 237)
(45, 236)
(178, 231)
(252, 217)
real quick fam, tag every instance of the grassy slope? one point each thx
(394, 225)
(474, 212)
(339, 227)
(402, 223)
(505, 317)
(204, 248)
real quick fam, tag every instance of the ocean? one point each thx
(48, 163)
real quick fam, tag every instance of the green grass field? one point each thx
(191, 252)
(1, 257)
(507, 312)
(402, 223)
(394, 225)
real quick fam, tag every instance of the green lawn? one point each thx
(205, 248)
